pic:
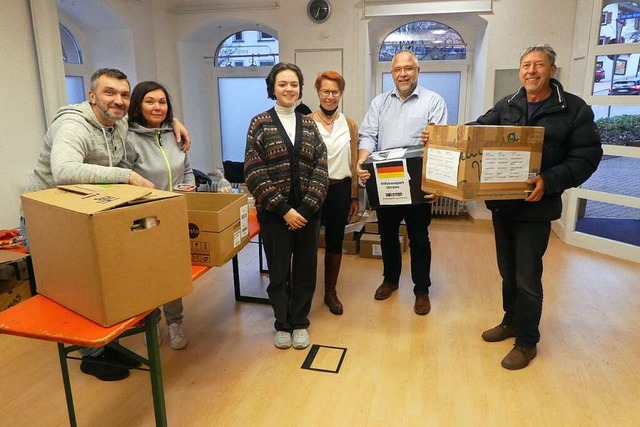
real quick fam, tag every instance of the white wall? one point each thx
(22, 123)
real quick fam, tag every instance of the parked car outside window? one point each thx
(625, 87)
(599, 74)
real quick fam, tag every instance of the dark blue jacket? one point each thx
(570, 154)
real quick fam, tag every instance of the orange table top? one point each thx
(41, 318)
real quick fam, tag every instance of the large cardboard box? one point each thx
(218, 226)
(396, 177)
(109, 252)
(481, 162)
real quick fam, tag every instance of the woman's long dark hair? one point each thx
(137, 96)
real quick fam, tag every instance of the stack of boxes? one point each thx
(14, 279)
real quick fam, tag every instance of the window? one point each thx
(255, 50)
(74, 67)
(606, 18)
(237, 37)
(428, 40)
(240, 92)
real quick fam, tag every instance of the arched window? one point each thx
(241, 63)
(428, 40)
(442, 56)
(248, 49)
(71, 53)
(73, 66)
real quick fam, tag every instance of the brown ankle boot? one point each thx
(331, 270)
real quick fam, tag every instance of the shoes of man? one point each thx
(121, 358)
(498, 333)
(518, 358)
(177, 337)
(282, 339)
(385, 290)
(95, 365)
(423, 305)
(300, 338)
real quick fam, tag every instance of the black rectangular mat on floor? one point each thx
(324, 358)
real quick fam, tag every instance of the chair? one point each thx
(233, 171)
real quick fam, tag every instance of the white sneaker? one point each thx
(300, 338)
(282, 339)
(177, 338)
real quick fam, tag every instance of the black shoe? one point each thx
(116, 357)
(96, 366)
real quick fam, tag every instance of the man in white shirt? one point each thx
(396, 119)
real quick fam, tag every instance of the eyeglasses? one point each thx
(326, 92)
(407, 69)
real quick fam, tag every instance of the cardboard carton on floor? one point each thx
(109, 252)
(218, 226)
(481, 162)
(396, 177)
(14, 283)
(370, 245)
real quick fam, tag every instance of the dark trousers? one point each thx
(292, 257)
(335, 215)
(417, 219)
(520, 246)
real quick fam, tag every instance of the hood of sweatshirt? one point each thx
(84, 112)
(141, 130)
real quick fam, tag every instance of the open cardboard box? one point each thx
(109, 252)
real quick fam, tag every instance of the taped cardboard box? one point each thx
(218, 226)
(481, 162)
(370, 246)
(109, 252)
(396, 177)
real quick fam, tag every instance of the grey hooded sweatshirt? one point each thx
(78, 149)
(155, 154)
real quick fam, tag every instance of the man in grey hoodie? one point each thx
(84, 144)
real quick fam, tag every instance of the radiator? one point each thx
(448, 207)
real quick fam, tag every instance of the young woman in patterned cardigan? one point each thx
(285, 170)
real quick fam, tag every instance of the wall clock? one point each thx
(318, 10)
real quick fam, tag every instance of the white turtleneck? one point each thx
(287, 116)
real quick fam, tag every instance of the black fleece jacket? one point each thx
(570, 154)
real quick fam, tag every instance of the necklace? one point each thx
(328, 123)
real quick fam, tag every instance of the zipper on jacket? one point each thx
(166, 160)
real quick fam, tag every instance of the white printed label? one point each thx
(505, 166)
(442, 166)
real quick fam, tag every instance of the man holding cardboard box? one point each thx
(570, 154)
(395, 119)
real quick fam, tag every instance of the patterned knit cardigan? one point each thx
(281, 175)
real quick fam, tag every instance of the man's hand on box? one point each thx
(137, 179)
(424, 136)
(431, 198)
(363, 174)
(538, 190)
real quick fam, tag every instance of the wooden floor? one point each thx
(400, 369)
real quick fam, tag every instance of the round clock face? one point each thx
(318, 10)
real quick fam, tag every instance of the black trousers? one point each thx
(417, 219)
(292, 256)
(520, 246)
(335, 215)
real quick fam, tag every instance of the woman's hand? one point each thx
(353, 208)
(294, 220)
